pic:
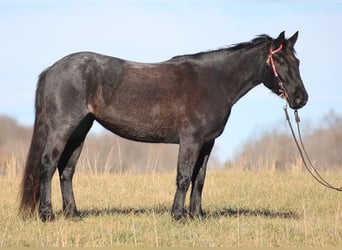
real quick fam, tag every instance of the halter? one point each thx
(270, 59)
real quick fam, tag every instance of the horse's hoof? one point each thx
(178, 215)
(71, 213)
(75, 215)
(47, 217)
(197, 214)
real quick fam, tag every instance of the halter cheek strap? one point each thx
(283, 92)
(270, 58)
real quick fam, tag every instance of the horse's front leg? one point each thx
(198, 178)
(187, 158)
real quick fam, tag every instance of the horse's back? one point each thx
(151, 102)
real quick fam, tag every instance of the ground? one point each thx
(243, 208)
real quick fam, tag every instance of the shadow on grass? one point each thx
(262, 212)
(161, 209)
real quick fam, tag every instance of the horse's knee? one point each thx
(47, 169)
(67, 174)
(199, 182)
(183, 182)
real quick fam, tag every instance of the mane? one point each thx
(254, 42)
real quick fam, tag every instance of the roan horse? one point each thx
(186, 100)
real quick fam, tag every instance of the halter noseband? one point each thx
(271, 60)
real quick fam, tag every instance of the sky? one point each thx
(36, 33)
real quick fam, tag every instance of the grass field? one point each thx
(243, 209)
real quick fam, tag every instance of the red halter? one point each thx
(270, 57)
(282, 90)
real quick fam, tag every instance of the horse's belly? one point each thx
(142, 131)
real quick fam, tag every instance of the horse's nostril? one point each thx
(298, 100)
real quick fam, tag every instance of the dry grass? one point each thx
(243, 208)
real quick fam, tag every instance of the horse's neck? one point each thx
(242, 71)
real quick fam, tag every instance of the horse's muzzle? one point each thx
(299, 99)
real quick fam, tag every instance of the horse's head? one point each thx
(281, 74)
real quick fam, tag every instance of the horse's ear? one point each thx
(279, 41)
(292, 40)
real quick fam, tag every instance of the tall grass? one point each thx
(243, 208)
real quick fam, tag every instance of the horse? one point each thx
(185, 100)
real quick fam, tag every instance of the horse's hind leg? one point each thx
(66, 172)
(67, 165)
(51, 155)
(55, 154)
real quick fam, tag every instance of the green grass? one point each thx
(243, 209)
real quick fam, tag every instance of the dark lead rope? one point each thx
(301, 149)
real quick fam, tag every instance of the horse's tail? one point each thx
(30, 186)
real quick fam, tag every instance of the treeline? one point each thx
(274, 149)
(101, 152)
(110, 153)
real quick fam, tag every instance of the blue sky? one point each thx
(36, 33)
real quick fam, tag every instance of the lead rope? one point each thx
(301, 149)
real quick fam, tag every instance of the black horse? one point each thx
(186, 100)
